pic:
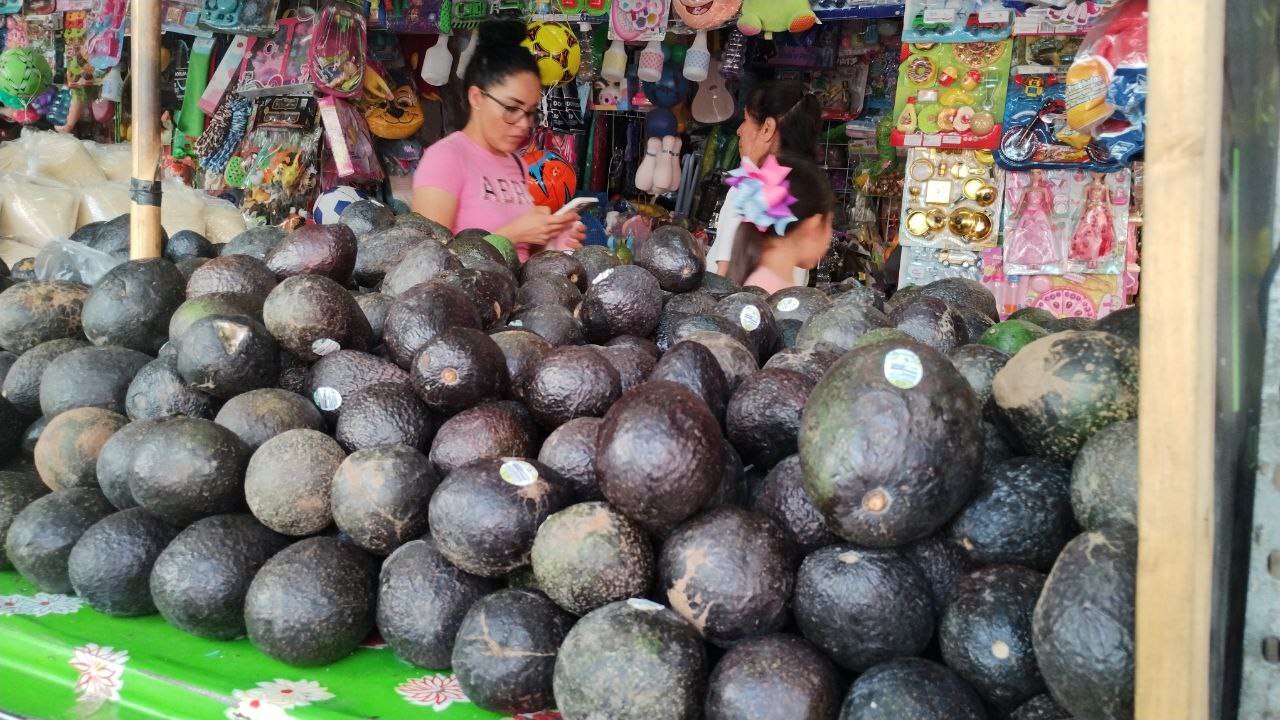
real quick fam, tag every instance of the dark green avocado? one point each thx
(366, 216)
(40, 537)
(38, 311)
(554, 323)
(808, 361)
(188, 245)
(228, 355)
(558, 264)
(384, 414)
(489, 430)
(623, 301)
(422, 261)
(839, 325)
(240, 274)
(932, 322)
(185, 469)
(549, 290)
(131, 305)
(589, 555)
(22, 383)
(492, 292)
(115, 462)
(571, 382)
(1020, 515)
(570, 451)
(1033, 315)
(1122, 323)
(288, 479)
(255, 242)
(754, 317)
(735, 359)
(781, 498)
(1104, 478)
(113, 237)
(960, 292)
(89, 377)
(110, 566)
(856, 293)
(201, 306)
(672, 255)
(328, 250)
(313, 316)
(18, 489)
(346, 373)
(375, 307)
(976, 322)
(718, 285)
(595, 259)
(1071, 323)
(458, 369)
(1040, 707)
(523, 352)
(694, 366)
(380, 496)
(694, 302)
(774, 677)
(979, 365)
(632, 363)
(67, 453)
(797, 303)
(763, 416)
(943, 563)
(420, 314)
(911, 688)
(257, 416)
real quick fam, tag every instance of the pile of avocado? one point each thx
(626, 491)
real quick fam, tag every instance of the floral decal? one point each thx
(433, 691)
(101, 672)
(40, 605)
(287, 693)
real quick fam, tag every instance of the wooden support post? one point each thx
(144, 74)
(1178, 359)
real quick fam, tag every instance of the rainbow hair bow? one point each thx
(764, 196)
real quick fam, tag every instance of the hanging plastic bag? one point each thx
(278, 65)
(62, 259)
(348, 139)
(1107, 83)
(336, 56)
(240, 17)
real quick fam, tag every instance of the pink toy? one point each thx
(1031, 242)
(1095, 237)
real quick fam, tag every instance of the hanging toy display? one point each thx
(771, 16)
(614, 69)
(24, 74)
(639, 20)
(589, 67)
(703, 16)
(557, 51)
(734, 56)
(437, 62)
(552, 180)
(337, 52)
(464, 58)
(650, 62)
(394, 114)
(714, 103)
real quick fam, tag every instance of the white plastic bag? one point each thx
(181, 209)
(102, 202)
(222, 220)
(60, 157)
(65, 260)
(36, 210)
(115, 161)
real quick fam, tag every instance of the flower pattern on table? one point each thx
(433, 691)
(542, 715)
(40, 604)
(287, 693)
(101, 672)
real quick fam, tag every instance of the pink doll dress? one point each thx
(1095, 236)
(1032, 242)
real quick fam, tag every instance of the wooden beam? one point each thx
(144, 80)
(1178, 357)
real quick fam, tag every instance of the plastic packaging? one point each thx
(102, 202)
(959, 92)
(348, 138)
(930, 21)
(37, 210)
(181, 209)
(115, 161)
(278, 65)
(222, 220)
(62, 259)
(240, 17)
(336, 56)
(1107, 84)
(60, 157)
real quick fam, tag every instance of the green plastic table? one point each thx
(59, 658)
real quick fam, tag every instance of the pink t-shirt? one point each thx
(766, 279)
(491, 189)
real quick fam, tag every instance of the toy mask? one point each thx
(706, 14)
(397, 117)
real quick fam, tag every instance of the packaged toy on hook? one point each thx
(951, 95)
(1107, 83)
(1059, 221)
(349, 143)
(930, 21)
(1057, 18)
(240, 17)
(1036, 133)
(336, 56)
(951, 199)
(278, 65)
(638, 20)
(415, 17)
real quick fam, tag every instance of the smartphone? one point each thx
(575, 204)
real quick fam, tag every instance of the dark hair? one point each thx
(499, 54)
(812, 190)
(797, 112)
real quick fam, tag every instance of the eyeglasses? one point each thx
(513, 114)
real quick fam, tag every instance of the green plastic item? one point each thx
(61, 660)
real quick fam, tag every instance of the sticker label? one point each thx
(939, 15)
(517, 323)
(642, 604)
(993, 16)
(327, 399)
(325, 346)
(902, 368)
(788, 304)
(749, 318)
(600, 278)
(518, 473)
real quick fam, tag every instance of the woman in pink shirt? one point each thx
(472, 178)
(786, 206)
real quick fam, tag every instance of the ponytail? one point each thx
(748, 248)
(812, 195)
(797, 112)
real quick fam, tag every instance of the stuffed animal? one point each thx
(770, 16)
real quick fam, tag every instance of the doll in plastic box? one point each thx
(1095, 236)
(1032, 243)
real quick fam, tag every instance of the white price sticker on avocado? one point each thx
(327, 399)
(518, 473)
(602, 277)
(903, 369)
(749, 318)
(325, 346)
(642, 604)
(788, 304)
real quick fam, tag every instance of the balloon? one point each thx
(660, 122)
(671, 89)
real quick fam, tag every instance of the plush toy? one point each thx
(770, 16)
(703, 15)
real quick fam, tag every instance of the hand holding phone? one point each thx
(574, 204)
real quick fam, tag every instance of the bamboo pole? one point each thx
(144, 73)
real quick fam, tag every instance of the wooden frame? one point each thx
(1178, 359)
(144, 79)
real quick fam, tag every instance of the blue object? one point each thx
(660, 122)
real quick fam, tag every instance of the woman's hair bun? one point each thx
(501, 34)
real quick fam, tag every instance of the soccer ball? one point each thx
(329, 206)
(557, 51)
(24, 74)
(552, 181)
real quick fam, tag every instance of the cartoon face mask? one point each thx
(396, 118)
(706, 14)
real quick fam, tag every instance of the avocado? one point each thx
(232, 274)
(1012, 335)
(383, 414)
(838, 326)
(763, 415)
(795, 305)
(685, 325)
(422, 600)
(1104, 478)
(380, 496)
(486, 431)
(293, 374)
(188, 267)
(112, 237)
(728, 572)
(931, 322)
(1040, 707)
(1123, 323)
(67, 453)
(18, 489)
(570, 451)
(995, 446)
(781, 498)
(632, 363)
(185, 469)
(13, 426)
(589, 555)
(130, 306)
(474, 250)
(774, 677)
(1083, 629)
(985, 633)
(492, 293)
(863, 606)
(425, 260)
(735, 359)
(751, 314)
(115, 462)
(1071, 323)
(882, 335)
(962, 292)
(911, 688)
(110, 565)
(420, 314)
(718, 285)
(902, 295)
(38, 311)
(1033, 315)
(571, 382)
(647, 346)
(660, 455)
(86, 234)
(24, 270)
(891, 444)
(257, 416)
(505, 248)
(30, 436)
(192, 310)
(734, 487)
(1021, 514)
(595, 259)
(976, 323)
(312, 602)
(364, 217)
(288, 479)
(523, 351)
(979, 365)
(255, 242)
(694, 302)
(187, 245)
(853, 292)
(346, 373)
(433, 229)
(484, 515)
(200, 579)
(943, 563)
(1059, 390)
(40, 537)
(375, 307)
(623, 301)
(312, 316)
(549, 290)
(457, 369)
(558, 264)
(672, 255)
(505, 654)
(555, 324)
(7, 359)
(808, 361)
(695, 366)
(89, 377)
(228, 355)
